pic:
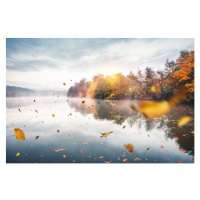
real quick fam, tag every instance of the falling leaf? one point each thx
(24, 125)
(83, 101)
(64, 156)
(152, 109)
(147, 149)
(53, 93)
(192, 159)
(19, 109)
(67, 100)
(19, 134)
(79, 86)
(36, 111)
(84, 143)
(93, 98)
(68, 135)
(176, 136)
(166, 159)
(118, 158)
(64, 84)
(42, 121)
(106, 134)
(115, 90)
(58, 131)
(90, 156)
(184, 120)
(162, 147)
(101, 157)
(124, 126)
(73, 161)
(148, 135)
(41, 155)
(181, 150)
(36, 137)
(153, 89)
(179, 161)
(53, 115)
(81, 151)
(17, 154)
(129, 148)
(107, 161)
(70, 113)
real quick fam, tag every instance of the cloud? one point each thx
(53, 60)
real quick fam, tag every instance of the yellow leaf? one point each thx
(149, 80)
(79, 86)
(106, 134)
(68, 134)
(53, 115)
(184, 120)
(153, 89)
(152, 109)
(19, 134)
(17, 154)
(19, 109)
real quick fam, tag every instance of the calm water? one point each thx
(80, 132)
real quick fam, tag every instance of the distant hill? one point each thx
(12, 91)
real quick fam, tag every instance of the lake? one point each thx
(74, 134)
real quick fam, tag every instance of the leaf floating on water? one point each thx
(124, 126)
(53, 115)
(179, 161)
(129, 148)
(153, 109)
(19, 109)
(153, 89)
(79, 86)
(125, 160)
(176, 136)
(83, 101)
(106, 134)
(17, 154)
(19, 134)
(57, 150)
(64, 156)
(36, 137)
(84, 143)
(101, 157)
(184, 120)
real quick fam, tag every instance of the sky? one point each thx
(39, 63)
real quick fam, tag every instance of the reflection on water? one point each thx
(82, 125)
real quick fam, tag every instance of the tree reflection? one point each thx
(119, 111)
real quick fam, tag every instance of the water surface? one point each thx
(81, 126)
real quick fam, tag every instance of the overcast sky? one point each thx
(47, 63)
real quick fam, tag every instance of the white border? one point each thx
(86, 19)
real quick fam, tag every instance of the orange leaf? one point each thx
(19, 134)
(101, 157)
(129, 148)
(36, 137)
(184, 120)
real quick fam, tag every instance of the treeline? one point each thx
(148, 84)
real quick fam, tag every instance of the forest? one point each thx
(149, 84)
